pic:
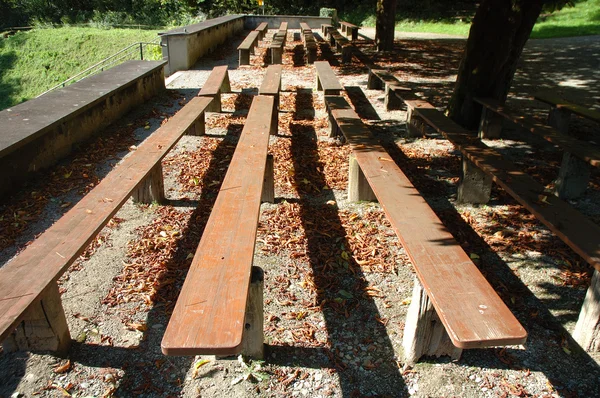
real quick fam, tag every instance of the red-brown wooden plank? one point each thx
(23, 279)
(555, 99)
(214, 81)
(471, 311)
(209, 315)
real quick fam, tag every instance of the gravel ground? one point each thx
(337, 282)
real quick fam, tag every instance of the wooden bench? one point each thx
(262, 29)
(310, 44)
(349, 29)
(216, 84)
(31, 313)
(278, 44)
(380, 79)
(247, 47)
(271, 85)
(482, 165)
(341, 44)
(326, 80)
(448, 287)
(561, 110)
(325, 30)
(38, 133)
(220, 308)
(574, 173)
(283, 31)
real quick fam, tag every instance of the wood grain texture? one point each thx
(555, 99)
(576, 230)
(581, 149)
(327, 80)
(471, 311)
(214, 83)
(23, 279)
(271, 84)
(209, 315)
(250, 41)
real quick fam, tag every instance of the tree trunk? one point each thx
(386, 21)
(498, 34)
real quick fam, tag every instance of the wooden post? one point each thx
(346, 54)
(374, 82)
(424, 333)
(44, 327)
(244, 57)
(268, 192)
(253, 340)
(475, 185)
(415, 126)
(334, 130)
(490, 125)
(276, 55)
(199, 127)
(358, 186)
(392, 101)
(573, 177)
(151, 188)
(587, 329)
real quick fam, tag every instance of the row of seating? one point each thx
(251, 42)
(310, 44)
(278, 44)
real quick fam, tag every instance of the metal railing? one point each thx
(130, 52)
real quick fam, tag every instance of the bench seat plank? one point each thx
(215, 80)
(557, 101)
(209, 315)
(467, 305)
(576, 230)
(327, 79)
(582, 150)
(272, 82)
(250, 41)
(23, 279)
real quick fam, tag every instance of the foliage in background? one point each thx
(33, 61)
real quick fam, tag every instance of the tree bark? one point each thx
(385, 24)
(498, 34)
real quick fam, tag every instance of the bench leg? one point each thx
(334, 130)
(226, 85)
(374, 82)
(573, 177)
(415, 126)
(354, 34)
(587, 330)
(346, 54)
(358, 186)
(276, 55)
(424, 333)
(318, 83)
(44, 327)
(559, 119)
(244, 57)
(268, 192)
(392, 102)
(490, 125)
(199, 127)
(151, 189)
(253, 340)
(475, 185)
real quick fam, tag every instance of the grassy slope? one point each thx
(32, 62)
(583, 19)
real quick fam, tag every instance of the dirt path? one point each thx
(337, 281)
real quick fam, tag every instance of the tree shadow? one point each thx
(340, 283)
(8, 85)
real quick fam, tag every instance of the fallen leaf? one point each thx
(63, 368)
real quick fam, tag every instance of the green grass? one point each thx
(581, 20)
(34, 61)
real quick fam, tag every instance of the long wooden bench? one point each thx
(271, 85)
(349, 29)
(262, 29)
(38, 133)
(31, 313)
(341, 44)
(482, 165)
(574, 173)
(326, 80)
(216, 84)
(561, 110)
(449, 286)
(247, 47)
(380, 79)
(310, 44)
(220, 308)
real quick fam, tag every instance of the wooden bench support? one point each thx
(268, 192)
(216, 84)
(262, 30)
(573, 177)
(358, 186)
(326, 80)
(490, 125)
(253, 340)
(151, 189)
(475, 185)
(277, 55)
(415, 125)
(587, 329)
(43, 327)
(424, 332)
